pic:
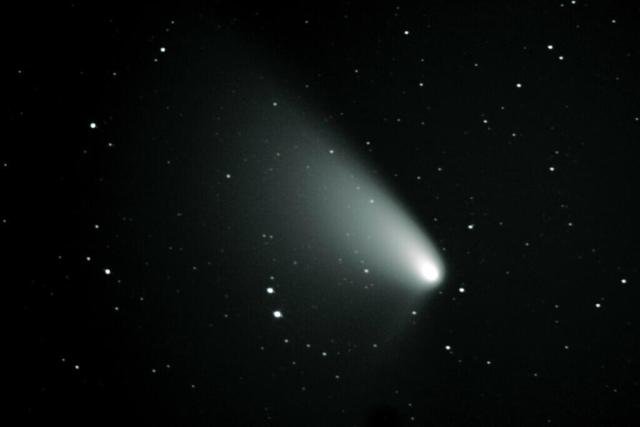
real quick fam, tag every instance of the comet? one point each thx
(325, 201)
(357, 215)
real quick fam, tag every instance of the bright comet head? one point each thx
(426, 265)
(429, 272)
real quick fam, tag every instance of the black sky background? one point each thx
(202, 347)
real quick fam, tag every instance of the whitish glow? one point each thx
(356, 214)
(333, 200)
(334, 203)
(429, 271)
(277, 314)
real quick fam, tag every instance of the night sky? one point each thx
(187, 248)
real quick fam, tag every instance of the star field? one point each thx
(217, 214)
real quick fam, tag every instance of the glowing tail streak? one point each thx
(366, 218)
